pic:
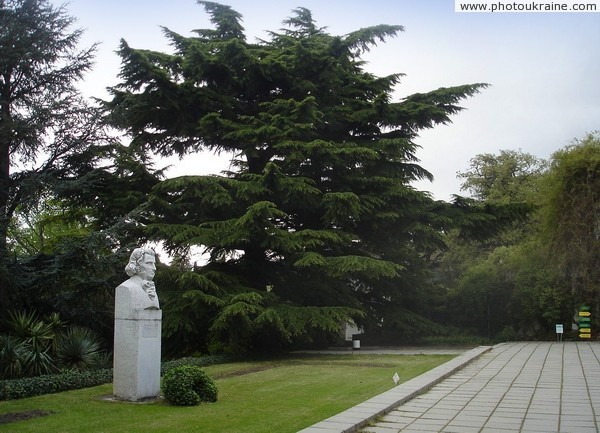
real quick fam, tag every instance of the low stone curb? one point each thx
(362, 414)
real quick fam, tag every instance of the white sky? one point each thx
(544, 68)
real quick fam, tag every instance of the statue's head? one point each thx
(142, 262)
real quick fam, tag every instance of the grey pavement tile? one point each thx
(380, 429)
(545, 400)
(550, 424)
(506, 423)
(546, 411)
(459, 429)
(576, 413)
(433, 395)
(317, 429)
(475, 413)
(394, 424)
(538, 416)
(577, 421)
(397, 419)
(459, 395)
(520, 394)
(426, 426)
(403, 414)
(418, 404)
(412, 408)
(578, 429)
(419, 429)
(508, 403)
(480, 409)
(451, 405)
(510, 412)
(496, 430)
(536, 430)
(467, 423)
(440, 413)
(470, 419)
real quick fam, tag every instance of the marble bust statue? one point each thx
(138, 292)
(138, 319)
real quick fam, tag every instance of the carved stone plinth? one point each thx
(138, 320)
(136, 372)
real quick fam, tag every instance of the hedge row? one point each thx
(52, 383)
(201, 361)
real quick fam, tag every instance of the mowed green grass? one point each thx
(281, 396)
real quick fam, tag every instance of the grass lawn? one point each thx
(281, 396)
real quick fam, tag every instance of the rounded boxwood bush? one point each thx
(188, 386)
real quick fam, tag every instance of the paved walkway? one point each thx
(535, 387)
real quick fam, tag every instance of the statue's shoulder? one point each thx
(130, 295)
(129, 284)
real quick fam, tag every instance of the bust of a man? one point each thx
(138, 292)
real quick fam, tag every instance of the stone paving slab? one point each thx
(531, 387)
(360, 415)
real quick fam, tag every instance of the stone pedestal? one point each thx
(137, 349)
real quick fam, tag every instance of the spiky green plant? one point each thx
(78, 349)
(12, 357)
(35, 337)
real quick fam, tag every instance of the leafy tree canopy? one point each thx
(510, 176)
(572, 217)
(527, 278)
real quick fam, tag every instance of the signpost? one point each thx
(559, 331)
(585, 322)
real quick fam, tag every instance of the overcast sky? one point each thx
(543, 68)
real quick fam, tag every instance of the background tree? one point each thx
(319, 223)
(481, 273)
(509, 176)
(67, 189)
(571, 219)
(42, 118)
(540, 270)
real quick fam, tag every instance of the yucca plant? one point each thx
(79, 349)
(57, 326)
(12, 357)
(38, 362)
(37, 346)
(35, 339)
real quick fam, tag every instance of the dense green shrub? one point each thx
(188, 386)
(52, 383)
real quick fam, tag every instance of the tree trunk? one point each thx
(4, 204)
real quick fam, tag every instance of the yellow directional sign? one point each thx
(585, 322)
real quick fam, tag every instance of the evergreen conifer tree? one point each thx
(66, 185)
(318, 224)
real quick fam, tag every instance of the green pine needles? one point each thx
(318, 220)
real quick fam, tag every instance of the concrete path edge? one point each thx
(364, 413)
